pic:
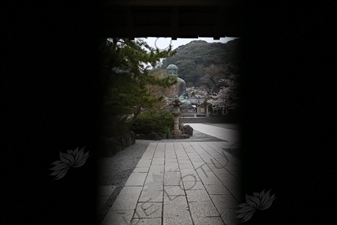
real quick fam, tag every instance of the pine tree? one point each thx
(126, 81)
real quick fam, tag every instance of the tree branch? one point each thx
(135, 115)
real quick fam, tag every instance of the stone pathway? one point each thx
(181, 183)
(228, 135)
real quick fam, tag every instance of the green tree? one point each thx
(126, 81)
(197, 59)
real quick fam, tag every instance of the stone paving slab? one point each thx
(118, 217)
(141, 170)
(208, 220)
(127, 199)
(216, 189)
(229, 135)
(223, 202)
(174, 190)
(178, 220)
(180, 183)
(150, 221)
(149, 210)
(150, 195)
(136, 179)
(197, 196)
(203, 209)
(192, 185)
(176, 206)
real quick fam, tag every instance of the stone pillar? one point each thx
(176, 113)
(176, 130)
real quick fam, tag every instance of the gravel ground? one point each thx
(116, 170)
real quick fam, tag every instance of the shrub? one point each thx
(168, 133)
(113, 126)
(159, 121)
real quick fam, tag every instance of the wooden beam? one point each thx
(164, 31)
(157, 31)
(219, 23)
(174, 22)
(129, 23)
(173, 2)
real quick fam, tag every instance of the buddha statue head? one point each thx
(172, 71)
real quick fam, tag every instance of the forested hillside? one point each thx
(200, 62)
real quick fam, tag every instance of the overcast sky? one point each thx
(163, 43)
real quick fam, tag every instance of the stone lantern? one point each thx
(176, 113)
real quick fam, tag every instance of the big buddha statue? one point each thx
(178, 89)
